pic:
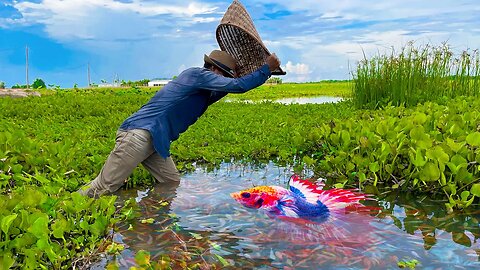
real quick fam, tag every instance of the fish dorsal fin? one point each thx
(304, 189)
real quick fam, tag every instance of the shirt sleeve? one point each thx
(216, 96)
(210, 81)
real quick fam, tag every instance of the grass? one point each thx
(415, 75)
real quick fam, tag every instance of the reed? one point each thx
(414, 75)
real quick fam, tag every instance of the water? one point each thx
(197, 224)
(298, 100)
(309, 100)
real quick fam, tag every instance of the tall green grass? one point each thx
(416, 74)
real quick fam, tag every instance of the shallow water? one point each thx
(198, 222)
(298, 100)
(309, 100)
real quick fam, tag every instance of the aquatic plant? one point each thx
(416, 74)
(51, 145)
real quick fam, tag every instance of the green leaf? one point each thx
(345, 136)
(418, 134)
(459, 160)
(196, 236)
(374, 167)
(475, 190)
(99, 226)
(222, 260)
(147, 221)
(44, 245)
(382, 128)
(420, 118)
(456, 147)
(473, 139)
(464, 195)
(17, 168)
(419, 160)
(142, 258)
(438, 154)
(216, 246)
(59, 228)
(6, 260)
(430, 172)
(7, 222)
(463, 176)
(39, 227)
(308, 160)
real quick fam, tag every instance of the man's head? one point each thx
(221, 62)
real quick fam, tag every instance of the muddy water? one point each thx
(197, 223)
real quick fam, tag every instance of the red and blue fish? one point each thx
(302, 199)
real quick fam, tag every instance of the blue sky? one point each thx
(137, 39)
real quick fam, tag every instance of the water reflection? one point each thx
(198, 224)
(309, 100)
(297, 100)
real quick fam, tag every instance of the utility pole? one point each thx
(26, 66)
(88, 70)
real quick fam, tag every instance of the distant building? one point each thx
(154, 83)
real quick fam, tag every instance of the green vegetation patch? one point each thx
(51, 145)
(415, 75)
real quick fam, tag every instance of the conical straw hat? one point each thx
(237, 35)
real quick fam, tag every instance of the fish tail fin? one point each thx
(339, 199)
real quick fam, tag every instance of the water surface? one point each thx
(198, 223)
(309, 100)
(297, 100)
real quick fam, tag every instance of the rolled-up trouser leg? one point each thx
(164, 170)
(131, 148)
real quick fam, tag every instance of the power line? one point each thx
(88, 74)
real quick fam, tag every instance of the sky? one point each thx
(144, 39)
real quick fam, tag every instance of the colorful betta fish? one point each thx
(302, 200)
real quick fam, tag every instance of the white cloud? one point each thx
(110, 19)
(321, 39)
(298, 69)
(297, 72)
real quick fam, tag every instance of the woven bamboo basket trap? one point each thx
(237, 35)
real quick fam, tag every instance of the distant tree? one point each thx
(39, 84)
(274, 80)
(2, 85)
(143, 82)
(75, 86)
(18, 86)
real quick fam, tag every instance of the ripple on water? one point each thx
(199, 216)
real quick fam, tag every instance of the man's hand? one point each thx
(273, 62)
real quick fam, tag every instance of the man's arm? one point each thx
(215, 82)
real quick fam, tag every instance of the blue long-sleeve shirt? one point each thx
(182, 101)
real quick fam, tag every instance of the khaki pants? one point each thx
(131, 148)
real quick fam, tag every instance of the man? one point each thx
(145, 136)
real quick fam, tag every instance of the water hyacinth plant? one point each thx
(415, 75)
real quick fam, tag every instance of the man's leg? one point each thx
(131, 148)
(164, 170)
